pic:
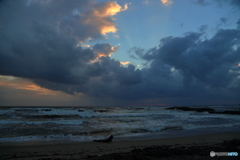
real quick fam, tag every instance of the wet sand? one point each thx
(124, 149)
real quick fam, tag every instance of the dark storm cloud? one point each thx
(202, 66)
(223, 20)
(238, 24)
(200, 2)
(235, 3)
(108, 79)
(189, 66)
(41, 41)
(203, 28)
(104, 49)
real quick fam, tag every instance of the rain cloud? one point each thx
(42, 41)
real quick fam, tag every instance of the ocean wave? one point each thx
(8, 121)
(81, 123)
(68, 137)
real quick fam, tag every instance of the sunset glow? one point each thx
(166, 2)
(24, 85)
(108, 29)
(124, 63)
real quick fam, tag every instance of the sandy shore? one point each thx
(95, 150)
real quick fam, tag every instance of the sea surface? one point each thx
(18, 124)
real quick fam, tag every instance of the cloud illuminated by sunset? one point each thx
(100, 14)
(104, 49)
(39, 90)
(124, 63)
(166, 2)
(108, 29)
(24, 85)
(108, 9)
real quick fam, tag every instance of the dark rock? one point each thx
(204, 109)
(232, 112)
(139, 131)
(100, 110)
(172, 128)
(226, 112)
(46, 109)
(108, 140)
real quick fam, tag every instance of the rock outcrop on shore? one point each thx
(226, 112)
(204, 109)
(107, 140)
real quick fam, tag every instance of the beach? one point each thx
(59, 133)
(177, 147)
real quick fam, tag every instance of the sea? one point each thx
(26, 124)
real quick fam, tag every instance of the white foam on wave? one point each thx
(86, 113)
(123, 115)
(57, 121)
(58, 111)
(68, 112)
(61, 137)
(192, 126)
(120, 121)
(6, 111)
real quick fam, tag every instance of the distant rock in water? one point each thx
(46, 109)
(100, 110)
(227, 112)
(172, 128)
(205, 109)
(108, 140)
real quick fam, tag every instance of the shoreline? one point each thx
(38, 150)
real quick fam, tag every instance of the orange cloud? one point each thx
(166, 2)
(112, 50)
(37, 89)
(103, 50)
(238, 65)
(124, 63)
(102, 16)
(108, 29)
(109, 9)
(17, 83)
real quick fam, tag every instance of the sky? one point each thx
(119, 53)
